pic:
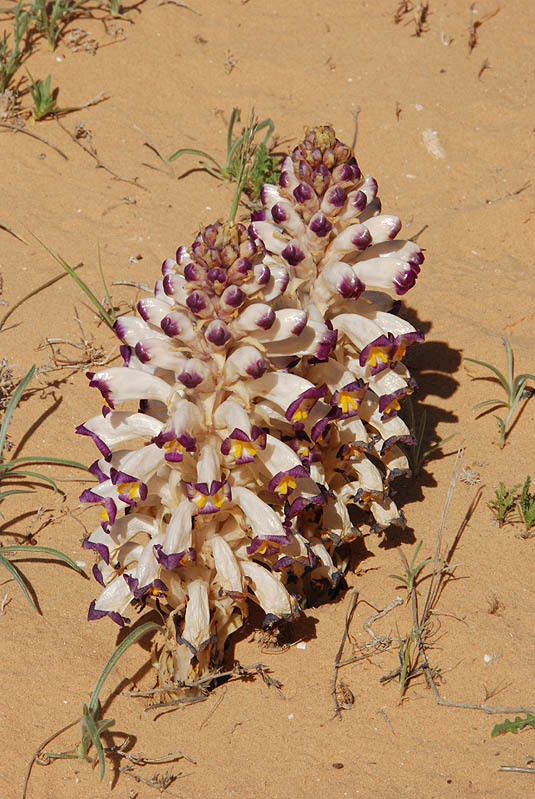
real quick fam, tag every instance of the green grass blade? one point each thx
(78, 280)
(38, 477)
(89, 722)
(509, 357)
(56, 553)
(14, 401)
(16, 491)
(130, 639)
(18, 577)
(233, 117)
(493, 369)
(497, 402)
(524, 376)
(108, 295)
(193, 151)
(44, 459)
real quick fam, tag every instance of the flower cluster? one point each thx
(266, 371)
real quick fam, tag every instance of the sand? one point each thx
(448, 135)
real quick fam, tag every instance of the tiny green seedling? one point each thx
(44, 101)
(503, 503)
(513, 726)
(51, 16)
(526, 506)
(245, 162)
(513, 386)
(417, 455)
(12, 57)
(412, 569)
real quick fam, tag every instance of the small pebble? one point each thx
(301, 645)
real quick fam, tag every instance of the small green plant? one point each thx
(12, 57)
(417, 455)
(246, 162)
(526, 506)
(412, 569)
(44, 101)
(11, 475)
(513, 386)
(513, 726)
(503, 503)
(51, 16)
(92, 725)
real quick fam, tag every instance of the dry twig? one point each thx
(21, 129)
(334, 689)
(92, 151)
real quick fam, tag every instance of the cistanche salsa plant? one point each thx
(264, 376)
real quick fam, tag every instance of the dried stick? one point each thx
(100, 164)
(338, 657)
(37, 754)
(20, 129)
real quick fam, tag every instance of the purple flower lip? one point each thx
(293, 254)
(97, 574)
(196, 302)
(191, 272)
(208, 499)
(142, 309)
(406, 279)
(287, 480)
(82, 430)
(263, 274)
(360, 201)
(126, 353)
(102, 549)
(233, 296)
(268, 545)
(169, 282)
(362, 239)
(298, 328)
(257, 368)
(284, 180)
(257, 216)
(216, 275)
(302, 193)
(320, 225)
(157, 587)
(279, 214)
(190, 379)
(93, 614)
(241, 267)
(298, 409)
(350, 287)
(336, 196)
(142, 352)
(169, 265)
(217, 333)
(395, 228)
(170, 326)
(266, 321)
(174, 559)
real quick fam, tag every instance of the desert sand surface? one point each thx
(448, 133)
